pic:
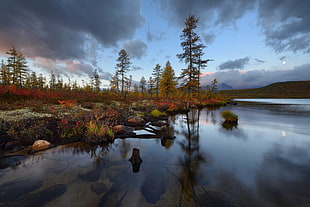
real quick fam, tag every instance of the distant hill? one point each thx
(290, 89)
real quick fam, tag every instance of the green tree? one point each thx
(157, 73)
(95, 81)
(192, 51)
(167, 81)
(122, 68)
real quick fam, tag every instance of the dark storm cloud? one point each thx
(221, 12)
(234, 64)
(282, 58)
(135, 48)
(286, 24)
(58, 29)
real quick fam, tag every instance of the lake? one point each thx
(263, 161)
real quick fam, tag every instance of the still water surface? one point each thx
(264, 161)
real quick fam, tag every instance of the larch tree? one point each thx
(18, 68)
(122, 68)
(191, 56)
(114, 82)
(95, 81)
(157, 73)
(151, 84)
(167, 81)
(142, 85)
(4, 74)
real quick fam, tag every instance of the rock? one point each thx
(154, 185)
(135, 121)
(92, 175)
(14, 189)
(135, 160)
(41, 145)
(11, 161)
(122, 129)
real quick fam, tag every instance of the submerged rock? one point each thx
(98, 188)
(92, 175)
(14, 189)
(154, 185)
(42, 197)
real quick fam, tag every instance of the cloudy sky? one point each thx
(252, 42)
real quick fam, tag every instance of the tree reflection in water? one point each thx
(192, 157)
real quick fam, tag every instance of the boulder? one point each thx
(122, 129)
(39, 145)
(135, 121)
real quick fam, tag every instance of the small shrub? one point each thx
(157, 113)
(229, 117)
(97, 133)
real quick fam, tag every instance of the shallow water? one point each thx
(264, 161)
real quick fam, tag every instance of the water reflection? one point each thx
(283, 179)
(194, 162)
(192, 157)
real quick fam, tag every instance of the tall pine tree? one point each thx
(157, 73)
(192, 51)
(122, 68)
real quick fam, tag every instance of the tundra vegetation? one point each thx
(35, 107)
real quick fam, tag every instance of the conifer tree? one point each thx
(4, 74)
(123, 67)
(167, 81)
(157, 73)
(151, 85)
(95, 81)
(114, 82)
(192, 51)
(18, 68)
(142, 85)
(52, 82)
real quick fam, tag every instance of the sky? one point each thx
(252, 42)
